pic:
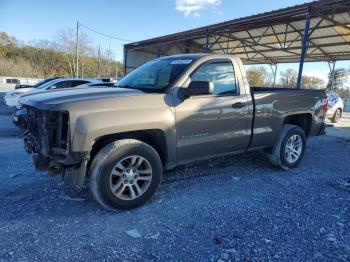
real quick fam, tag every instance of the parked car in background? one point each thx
(101, 84)
(12, 97)
(335, 107)
(169, 111)
(18, 86)
(41, 82)
(106, 80)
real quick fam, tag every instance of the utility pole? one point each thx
(77, 52)
(99, 61)
(116, 70)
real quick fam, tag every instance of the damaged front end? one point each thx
(47, 138)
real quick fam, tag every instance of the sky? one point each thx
(133, 20)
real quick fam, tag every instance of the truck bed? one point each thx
(282, 89)
(273, 105)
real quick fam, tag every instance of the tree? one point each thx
(258, 76)
(336, 81)
(311, 82)
(65, 42)
(43, 58)
(288, 78)
(7, 43)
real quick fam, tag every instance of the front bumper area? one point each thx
(45, 157)
(74, 162)
(19, 118)
(47, 139)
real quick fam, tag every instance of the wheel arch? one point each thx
(153, 137)
(303, 120)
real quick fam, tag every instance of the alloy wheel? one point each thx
(130, 177)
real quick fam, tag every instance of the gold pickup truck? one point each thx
(168, 112)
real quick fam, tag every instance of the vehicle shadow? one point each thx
(40, 193)
(216, 166)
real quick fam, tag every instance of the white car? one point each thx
(335, 107)
(12, 97)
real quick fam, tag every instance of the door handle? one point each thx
(239, 105)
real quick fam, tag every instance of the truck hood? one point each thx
(52, 99)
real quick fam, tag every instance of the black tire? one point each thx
(105, 161)
(337, 116)
(278, 156)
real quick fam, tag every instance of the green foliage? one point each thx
(311, 82)
(42, 58)
(288, 78)
(336, 81)
(7, 43)
(258, 76)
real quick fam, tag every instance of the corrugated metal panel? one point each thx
(274, 36)
(136, 58)
(344, 32)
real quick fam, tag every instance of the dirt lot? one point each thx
(235, 208)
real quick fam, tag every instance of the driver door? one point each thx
(213, 124)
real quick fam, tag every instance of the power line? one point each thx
(105, 35)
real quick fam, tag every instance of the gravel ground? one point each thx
(235, 208)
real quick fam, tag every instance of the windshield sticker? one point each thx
(181, 62)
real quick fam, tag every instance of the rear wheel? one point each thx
(289, 149)
(125, 174)
(337, 116)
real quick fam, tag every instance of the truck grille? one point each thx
(49, 131)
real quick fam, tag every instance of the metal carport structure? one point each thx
(315, 31)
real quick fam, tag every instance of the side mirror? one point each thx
(53, 87)
(196, 88)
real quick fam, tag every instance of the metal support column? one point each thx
(331, 65)
(305, 46)
(125, 60)
(158, 51)
(188, 44)
(274, 72)
(206, 48)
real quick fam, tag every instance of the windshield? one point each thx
(155, 75)
(42, 82)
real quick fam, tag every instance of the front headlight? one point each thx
(12, 95)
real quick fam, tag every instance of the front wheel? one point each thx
(125, 174)
(290, 148)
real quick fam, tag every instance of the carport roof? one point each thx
(271, 37)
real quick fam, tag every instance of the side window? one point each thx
(221, 74)
(62, 84)
(75, 83)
